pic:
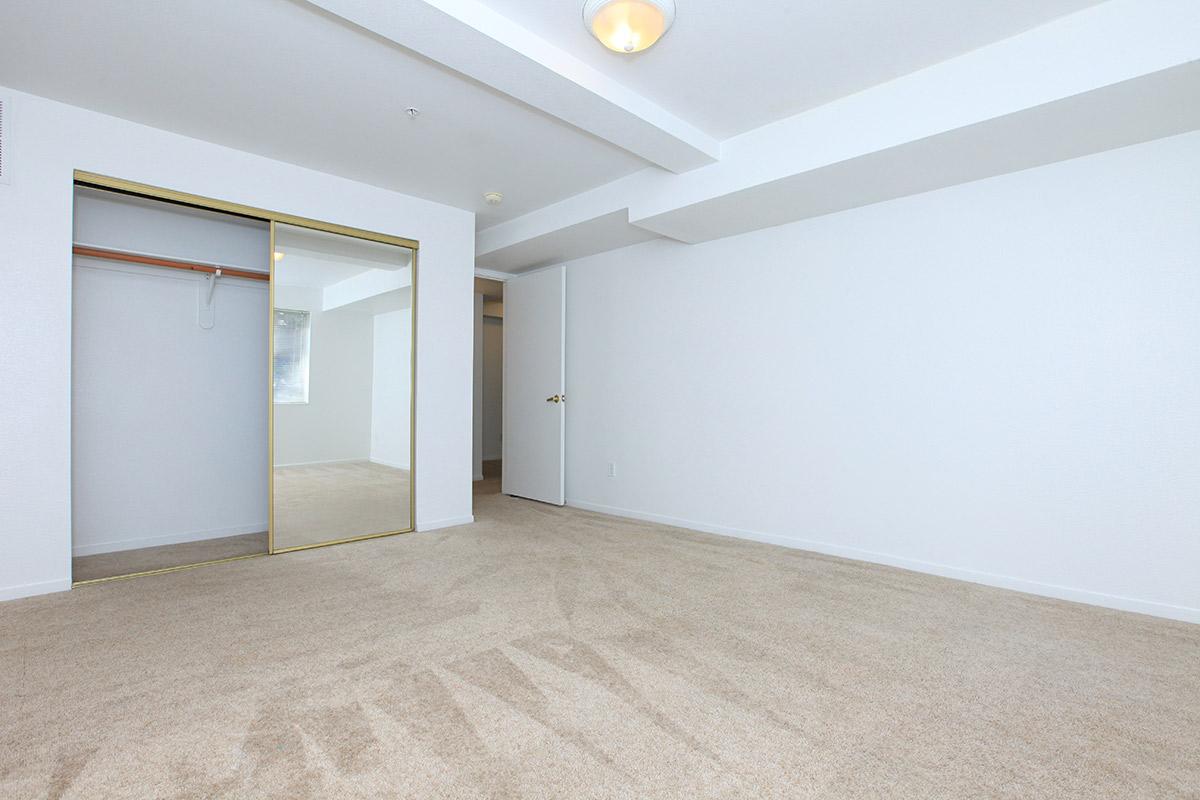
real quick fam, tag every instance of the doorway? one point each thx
(520, 387)
(489, 386)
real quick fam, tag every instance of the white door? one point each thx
(534, 379)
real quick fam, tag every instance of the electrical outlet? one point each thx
(612, 470)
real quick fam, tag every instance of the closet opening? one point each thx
(242, 382)
(170, 305)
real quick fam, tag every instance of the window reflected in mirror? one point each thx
(290, 356)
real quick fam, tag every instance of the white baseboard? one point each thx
(477, 477)
(173, 538)
(1150, 607)
(34, 589)
(327, 461)
(393, 465)
(450, 522)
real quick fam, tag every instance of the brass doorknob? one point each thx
(554, 399)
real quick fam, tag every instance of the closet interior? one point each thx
(242, 382)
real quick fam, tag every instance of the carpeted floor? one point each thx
(554, 653)
(144, 559)
(491, 479)
(317, 503)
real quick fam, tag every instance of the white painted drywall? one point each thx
(493, 387)
(335, 423)
(477, 392)
(45, 142)
(169, 421)
(998, 381)
(135, 224)
(390, 395)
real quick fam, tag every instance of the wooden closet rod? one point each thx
(117, 255)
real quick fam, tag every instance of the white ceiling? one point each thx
(1107, 76)
(340, 249)
(308, 271)
(728, 67)
(284, 80)
(594, 149)
(318, 259)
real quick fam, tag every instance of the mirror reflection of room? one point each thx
(342, 365)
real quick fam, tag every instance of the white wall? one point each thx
(998, 381)
(169, 421)
(335, 423)
(493, 387)
(390, 396)
(139, 225)
(477, 392)
(45, 141)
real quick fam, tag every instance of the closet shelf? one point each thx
(154, 261)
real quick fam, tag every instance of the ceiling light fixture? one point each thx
(493, 198)
(628, 26)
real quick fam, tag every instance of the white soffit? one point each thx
(597, 235)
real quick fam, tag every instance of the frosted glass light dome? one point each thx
(628, 26)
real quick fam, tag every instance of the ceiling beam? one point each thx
(1116, 74)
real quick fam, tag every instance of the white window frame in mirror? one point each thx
(299, 365)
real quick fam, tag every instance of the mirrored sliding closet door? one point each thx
(342, 384)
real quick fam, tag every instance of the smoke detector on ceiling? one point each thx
(493, 198)
(413, 112)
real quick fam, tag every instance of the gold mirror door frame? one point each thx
(83, 178)
(342, 424)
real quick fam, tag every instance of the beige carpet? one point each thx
(553, 653)
(126, 562)
(491, 479)
(326, 502)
